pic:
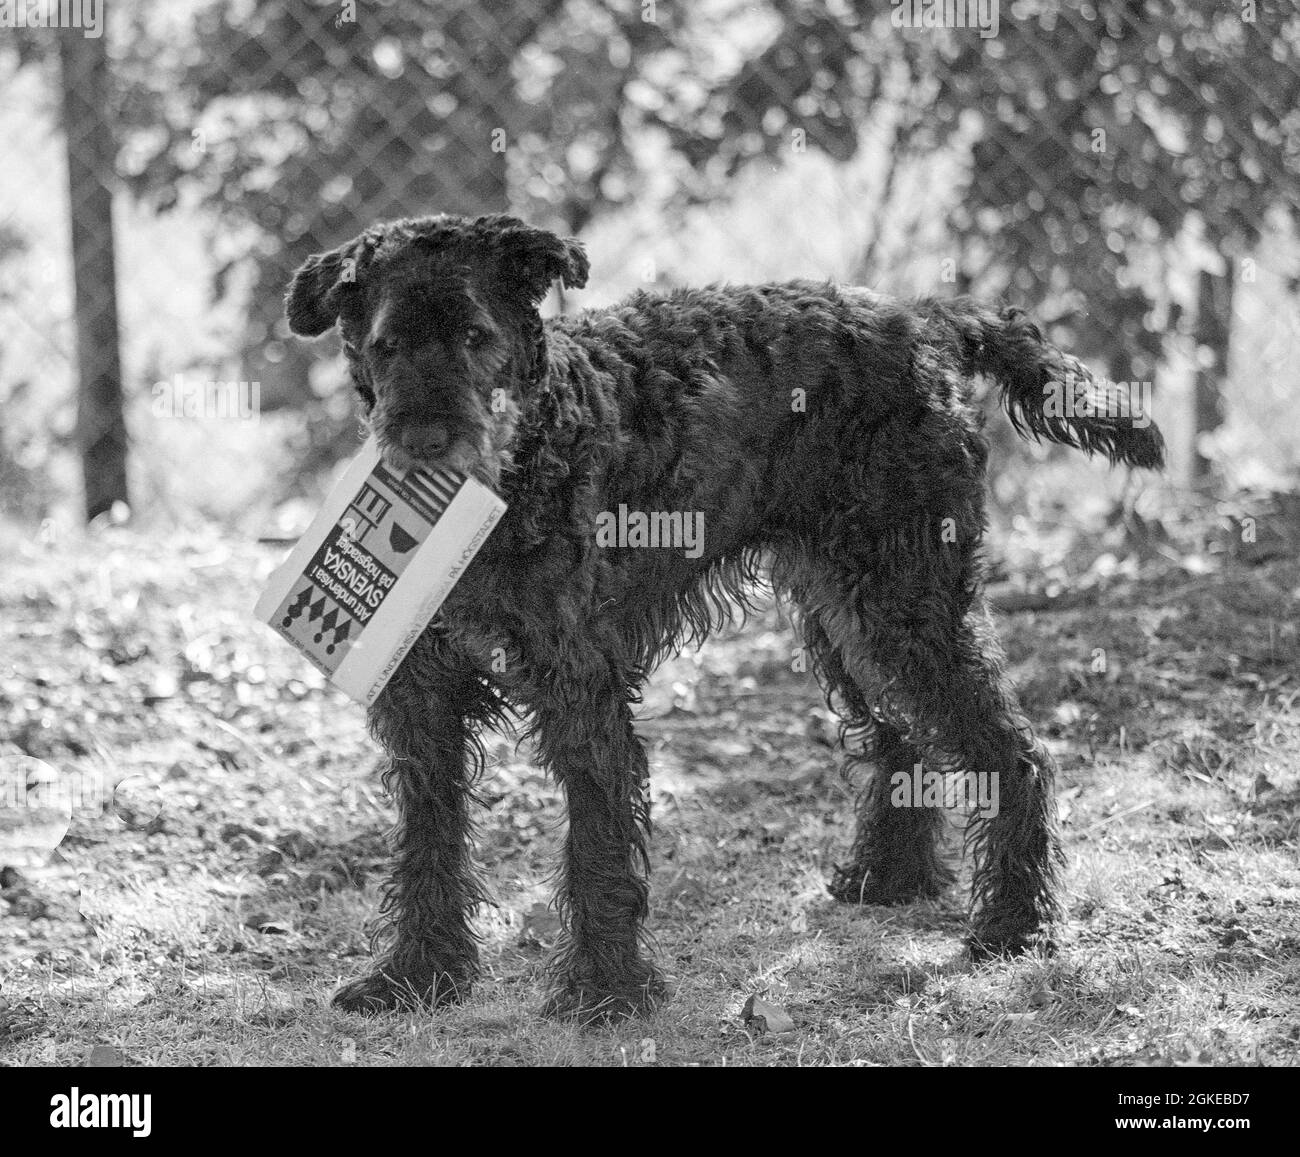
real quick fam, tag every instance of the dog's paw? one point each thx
(590, 1006)
(383, 991)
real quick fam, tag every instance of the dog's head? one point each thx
(441, 330)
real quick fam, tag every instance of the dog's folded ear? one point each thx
(537, 257)
(312, 303)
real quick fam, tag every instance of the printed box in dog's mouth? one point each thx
(377, 562)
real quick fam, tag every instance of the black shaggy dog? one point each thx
(826, 435)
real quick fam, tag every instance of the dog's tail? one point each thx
(1049, 394)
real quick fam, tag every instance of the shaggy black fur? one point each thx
(829, 438)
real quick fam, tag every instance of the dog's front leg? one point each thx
(427, 721)
(587, 741)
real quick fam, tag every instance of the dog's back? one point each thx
(747, 402)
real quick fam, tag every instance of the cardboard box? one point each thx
(373, 568)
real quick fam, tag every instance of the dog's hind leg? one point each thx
(913, 634)
(427, 720)
(1016, 846)
(896, 856)
(896, 850)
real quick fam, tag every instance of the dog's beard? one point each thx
(481, 452)
(460, 457)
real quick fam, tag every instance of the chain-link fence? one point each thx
(1125, 168)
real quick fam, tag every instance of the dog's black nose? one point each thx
(425, 441)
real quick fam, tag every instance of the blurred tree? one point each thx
(1097, 130)
(300, 122)
(1112, 125)
(86, 99)
(89, 134)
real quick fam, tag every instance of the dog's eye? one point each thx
(475, 337)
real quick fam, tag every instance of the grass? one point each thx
(204, 912)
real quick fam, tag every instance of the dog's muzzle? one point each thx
(433, 445)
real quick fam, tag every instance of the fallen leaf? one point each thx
(761, 1016)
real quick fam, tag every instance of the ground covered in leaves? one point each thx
(225, 843)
